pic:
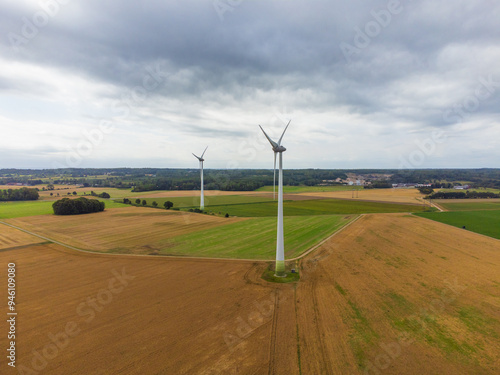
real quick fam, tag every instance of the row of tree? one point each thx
(168, 205)
(77, 206)
(463, 195)
(23, 194)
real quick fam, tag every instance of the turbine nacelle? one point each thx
(279, 149)
(200, 158)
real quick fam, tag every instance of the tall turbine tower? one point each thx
(280, 241)
(202, 199)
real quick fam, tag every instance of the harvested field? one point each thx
(395, 294)
(159, 316)
(390, 294)
(12, 238)
(411, 196)
(130, 229)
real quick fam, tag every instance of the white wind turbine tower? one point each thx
(280, 242)
(202, 199)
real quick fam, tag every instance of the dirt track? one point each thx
(207, 317)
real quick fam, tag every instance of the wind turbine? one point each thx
(202, 199)
(280, 241)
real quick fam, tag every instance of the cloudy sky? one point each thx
(367, 84)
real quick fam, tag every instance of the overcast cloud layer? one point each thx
(367, 84)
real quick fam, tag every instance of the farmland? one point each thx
(138, 230)
(484, 221)
(257, 206)
(403, 196)
(469, 204)
(389, 283)
(33, 208)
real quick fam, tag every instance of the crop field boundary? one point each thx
(449, 225)
(327, 239)
(307, 252)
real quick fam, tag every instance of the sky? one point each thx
(366, 84)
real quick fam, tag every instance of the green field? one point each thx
(10, 210)
(311, 189)
(216, 200)
(314, 207)
(485, 222)
(251, 206)
(256, 238)
(469, 205)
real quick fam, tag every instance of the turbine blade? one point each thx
(274, 144)
(204, 152)
(274, 181)
(279, 142)
(197, 157)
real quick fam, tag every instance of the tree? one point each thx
(50, 187)
(144, 202)
(75, 193)
(126, 201)
(137, 201)
(168, 205)
(155, 204)
(426, 190)
(77, 206)
(51, 194)
(227, 215)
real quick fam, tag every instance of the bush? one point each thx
(227, 215)
(137, 201)
(168, 205)
(77, 206)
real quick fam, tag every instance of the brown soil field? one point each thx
(136, 230)
(10, 238)
(391, 294)
(159, 316)
(398, 294)
(378, 195)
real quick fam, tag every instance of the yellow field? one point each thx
(130, 229)
(412, 196)
(10, 238)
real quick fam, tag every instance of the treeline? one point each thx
(23, 194)
(77, 206)
(447, 178)
(463, 195)
(145, 179)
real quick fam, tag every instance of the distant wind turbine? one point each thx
(280, 241)
(202, 199)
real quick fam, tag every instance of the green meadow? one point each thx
(310, 189)
(256, 238)
(254, 206)
(10, 210)
(470, 205)
(485, 222)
